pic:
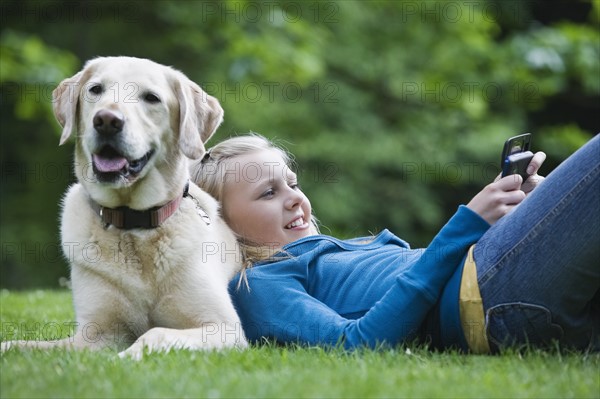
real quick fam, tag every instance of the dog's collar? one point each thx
(126, 218)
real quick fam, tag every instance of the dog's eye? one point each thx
(96, 89)
(151, 98)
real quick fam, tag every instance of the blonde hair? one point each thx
(209, 173)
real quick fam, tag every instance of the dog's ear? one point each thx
(65, 99)
(199, 117)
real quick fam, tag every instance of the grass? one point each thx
(270, 371)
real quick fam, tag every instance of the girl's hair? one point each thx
(210, 174)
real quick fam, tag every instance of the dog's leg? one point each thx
(209, 336)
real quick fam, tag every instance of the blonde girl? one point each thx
(516, 265)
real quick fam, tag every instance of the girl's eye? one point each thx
(295, 186)
(268, 194)
(96, 89)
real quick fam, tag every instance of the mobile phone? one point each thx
(516, 156)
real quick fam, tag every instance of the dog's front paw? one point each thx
(154, 340)
(134, 352)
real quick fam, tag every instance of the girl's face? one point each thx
(262, 201)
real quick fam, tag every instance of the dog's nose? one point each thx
(108, 122)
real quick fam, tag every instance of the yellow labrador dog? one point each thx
(150, 256)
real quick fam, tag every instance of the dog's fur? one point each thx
(164, 287)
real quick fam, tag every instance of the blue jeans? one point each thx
(539, 266)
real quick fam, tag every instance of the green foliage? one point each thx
(269, 371)
(34, 172)
(36, 68)
(396, 111)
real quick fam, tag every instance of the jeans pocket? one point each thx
(518, 324)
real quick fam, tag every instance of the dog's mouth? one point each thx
(110, 165)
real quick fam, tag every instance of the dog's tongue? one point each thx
(108, 164)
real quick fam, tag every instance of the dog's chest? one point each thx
(149, 256)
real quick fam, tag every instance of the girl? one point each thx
(496, 274)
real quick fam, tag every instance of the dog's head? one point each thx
(133, 117)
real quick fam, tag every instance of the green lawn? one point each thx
(267, 371)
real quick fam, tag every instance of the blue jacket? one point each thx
(359, 292)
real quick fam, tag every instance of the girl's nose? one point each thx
(294, 200)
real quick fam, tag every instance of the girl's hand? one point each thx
(498, 198)
(534, 180)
